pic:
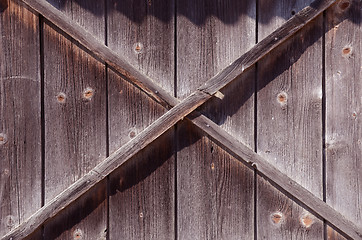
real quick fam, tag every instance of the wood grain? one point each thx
(278, 179)
(20, 111)
(98, 49)
(75, 126)
(220, 80)
(141, 192)
(214, 192)
(114, 161)
(183, 108)
(269, 42)
(289, 113)
(343, 111)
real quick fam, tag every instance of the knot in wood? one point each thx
(307, 220)
(276, 218)
(282, 98)
(3, 138)
(132, 134)
(61, 97)
(88, 93)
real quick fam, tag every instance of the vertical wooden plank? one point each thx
(214, 193)
(75, 123)
(289, 122)
(343, 111)
(20, 110)
(141, 202)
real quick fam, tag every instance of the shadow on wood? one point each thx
(69, 224)
(139, 10)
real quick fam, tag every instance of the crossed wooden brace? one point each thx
(179, 110)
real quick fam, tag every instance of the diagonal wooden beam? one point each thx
(247, 156)
(87, 40)
(167, 120)
(248, 59)
(115, 160)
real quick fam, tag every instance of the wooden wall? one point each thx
(62, 111)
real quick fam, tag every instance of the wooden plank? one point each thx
(82, 185)
(215, 194)
(141, 202)
(293, 188)
(212, 86)
(343, 111)
(20, 114)
(75, 125)
(266, 45)
(115, 160)
(289, 125)
(109, 164)
(273, 175)
(98, 48)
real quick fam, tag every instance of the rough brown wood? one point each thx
(141, 204)
(20, 116)
(97, 48)
(213, 85)
(289, 122)
(166, 114)
(81, 186)
(268, 43)
(115, 160)
(214, 192)
(277, 178)
(343, 111)
(75, 125)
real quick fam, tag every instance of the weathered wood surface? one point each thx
(97, 48)
(75, 123)
(289, 122)
(59, 207)
(115, 160)
(215, 193)
(277, 178)
(266, 45)
(213, 85)
(343, 111)
(141, 204)
(20, 116)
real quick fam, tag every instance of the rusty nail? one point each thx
(77, 234)
(138, 47)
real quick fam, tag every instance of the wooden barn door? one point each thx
(64, 110)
